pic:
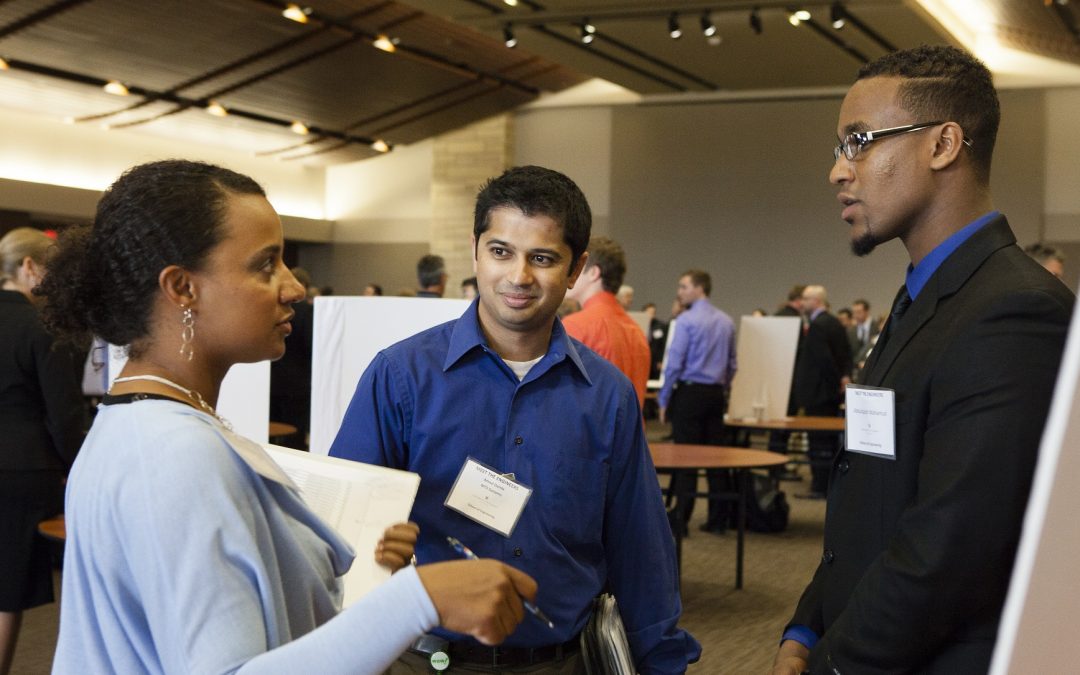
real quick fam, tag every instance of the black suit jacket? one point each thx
(823, 357)
(918, 551)
(41, 408)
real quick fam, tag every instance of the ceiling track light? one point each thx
(299, 128)
(4, 64)
(755, 22)
(386, 44)
(116, 88)
(508, 36)
(588, 32)
(836, 15)
(708, 28)
(379, 145)
(673, 26)
(798, 16)
(216, 109)
(294, 12)
(510, 3)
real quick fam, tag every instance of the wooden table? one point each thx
(804, 423)
(668, 457)
(278, 429)
(53, 528)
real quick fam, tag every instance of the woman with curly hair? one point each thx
(188, 550)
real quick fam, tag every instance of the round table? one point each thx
(669, 457)
(53, 528)
(803, 423)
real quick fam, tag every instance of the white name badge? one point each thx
(871, 421)
(493, 499)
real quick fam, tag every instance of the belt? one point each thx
(495, 657)
(687, 383)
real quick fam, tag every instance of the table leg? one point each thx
(743, 480)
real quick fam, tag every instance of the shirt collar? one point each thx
(920, 274)
(602, 298)
(467, 336)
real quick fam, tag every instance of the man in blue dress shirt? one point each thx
(503, 396)
(700, 367)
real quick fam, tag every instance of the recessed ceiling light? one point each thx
(116, 88)
(380, 146)
(384, 43)
(299, 128)
(296, 13)
(216, 109)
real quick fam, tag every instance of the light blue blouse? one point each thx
(180, 558)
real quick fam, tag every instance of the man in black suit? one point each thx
(919, 547)
(822, 366)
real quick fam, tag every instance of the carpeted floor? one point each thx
(739, 630)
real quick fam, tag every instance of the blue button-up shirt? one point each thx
(702, 349)
(918, 275)
(570, 430)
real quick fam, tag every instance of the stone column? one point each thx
(463, 160)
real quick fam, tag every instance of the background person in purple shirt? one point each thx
(700, 367)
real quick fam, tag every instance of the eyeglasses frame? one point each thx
(865, 138)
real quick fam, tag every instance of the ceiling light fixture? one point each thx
(508, 36)
(4, 64)
(673, 26)
(836, 15)
(380, 145)
(511, 3)
(299, 128)
(216, 109)
(384, 43)
(116, 88)
(755, 22)
(707, 26)
(797, 17)
(588, 32)
(294, 12)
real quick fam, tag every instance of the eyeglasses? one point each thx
(854, 143)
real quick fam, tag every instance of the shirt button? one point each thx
(843, 465)
(517, 552)
(519, 440)
(828, 556)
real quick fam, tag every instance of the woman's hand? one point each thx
(481, 598)
(395, 549)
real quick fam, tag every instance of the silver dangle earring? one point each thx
(187, 335)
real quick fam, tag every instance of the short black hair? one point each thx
(430, 270)
(947, 84)
(471, 281)
(863, 302)
(534, 190)
(104, 276)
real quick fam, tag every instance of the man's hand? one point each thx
(663, 415)
(481, 598)
(791, 659)
(397, 545)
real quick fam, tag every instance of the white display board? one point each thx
(1038, 623)
(244, 398)
(349, 332)
(643, 321)
(766, 357)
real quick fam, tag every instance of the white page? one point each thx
(358, 500)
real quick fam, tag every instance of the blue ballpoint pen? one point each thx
(466, 553)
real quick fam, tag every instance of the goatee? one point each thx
(864, 243)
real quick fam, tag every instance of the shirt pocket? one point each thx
(574, 509)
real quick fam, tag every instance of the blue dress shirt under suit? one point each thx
(571, 431)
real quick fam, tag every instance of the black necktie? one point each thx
(900, 305)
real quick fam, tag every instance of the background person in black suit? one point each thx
(919, 549)
(822, 368)
(41, 415)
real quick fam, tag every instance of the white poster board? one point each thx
(244, 398)
(1038, 623)
(766, 357)
(643, 321)
(348, 333)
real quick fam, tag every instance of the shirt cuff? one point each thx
(801, 634)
